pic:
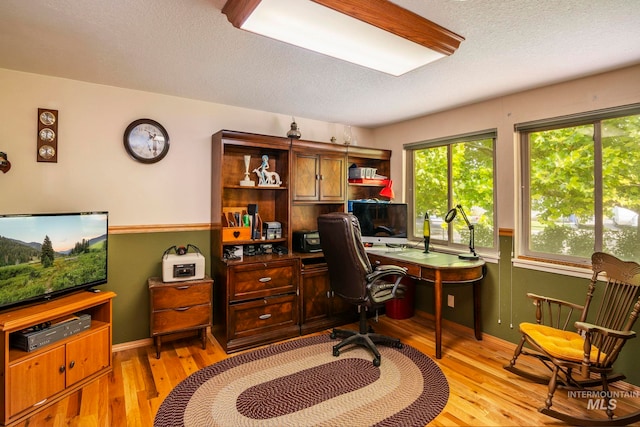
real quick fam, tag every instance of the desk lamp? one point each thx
(449, 218)
(426, 233)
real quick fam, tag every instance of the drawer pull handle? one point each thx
(40, 403)
(264, 279)
(265, 316)
(182, 308)
(181, 288)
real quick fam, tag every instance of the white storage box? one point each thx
(178, 268)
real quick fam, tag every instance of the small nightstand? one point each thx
(178, 307)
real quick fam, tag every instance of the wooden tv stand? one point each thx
(35, 380)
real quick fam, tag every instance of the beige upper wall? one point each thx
(620, 87)
(94, 172)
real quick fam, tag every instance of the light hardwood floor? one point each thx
(482, 393)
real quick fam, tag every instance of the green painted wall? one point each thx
(132, 259)
(505, 305)
(135, 257)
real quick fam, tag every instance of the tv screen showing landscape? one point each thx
(46, 255)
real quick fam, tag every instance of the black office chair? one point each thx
(353, 279)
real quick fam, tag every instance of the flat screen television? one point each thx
(381, 222)
(43, 256)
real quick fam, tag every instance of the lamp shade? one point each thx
(387, 191)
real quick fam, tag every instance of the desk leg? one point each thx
(438, 313)
(477, 326)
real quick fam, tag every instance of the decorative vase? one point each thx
(247, 182)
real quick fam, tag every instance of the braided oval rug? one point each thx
(300, 383)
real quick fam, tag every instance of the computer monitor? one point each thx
(382, 223)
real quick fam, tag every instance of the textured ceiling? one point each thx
(187, 48)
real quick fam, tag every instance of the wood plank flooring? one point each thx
(482, 393)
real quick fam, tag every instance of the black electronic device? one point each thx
(280, 250)
(36, 337)
(306, 241)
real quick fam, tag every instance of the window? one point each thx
(453, 171)
(581, 186)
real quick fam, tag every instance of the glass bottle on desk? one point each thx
(426, 232)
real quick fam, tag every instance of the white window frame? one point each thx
(449, 246)
(569, 265)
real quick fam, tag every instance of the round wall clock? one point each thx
(146, 140)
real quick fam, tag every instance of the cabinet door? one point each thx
(340, 307)
(34, 379)
(315, 295)
(87, 355)
(306, 173)
(332, 178)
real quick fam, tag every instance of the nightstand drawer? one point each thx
(182, 318)
(180, 295)
(261, 280)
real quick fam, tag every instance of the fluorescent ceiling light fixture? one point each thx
(376, 34)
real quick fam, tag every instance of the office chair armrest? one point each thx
(383, 271)
(553, 309)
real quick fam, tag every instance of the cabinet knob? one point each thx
(72, 364)
(264, 316)
(181, 288)
(61, 369)
(182, 308)
(264, 279)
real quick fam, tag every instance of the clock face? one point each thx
(47, 135)
(47, 152)
(47, 118)
(146, 141)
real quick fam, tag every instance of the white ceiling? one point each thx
(187, 48)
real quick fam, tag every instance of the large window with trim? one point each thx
(581, 186)
(444, 173)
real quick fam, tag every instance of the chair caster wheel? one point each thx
(336, 352)
(398, 345)
(376, 362)
(333, 336)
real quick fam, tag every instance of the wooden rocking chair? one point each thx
(591, 351)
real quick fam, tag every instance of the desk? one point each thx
(439, 269)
